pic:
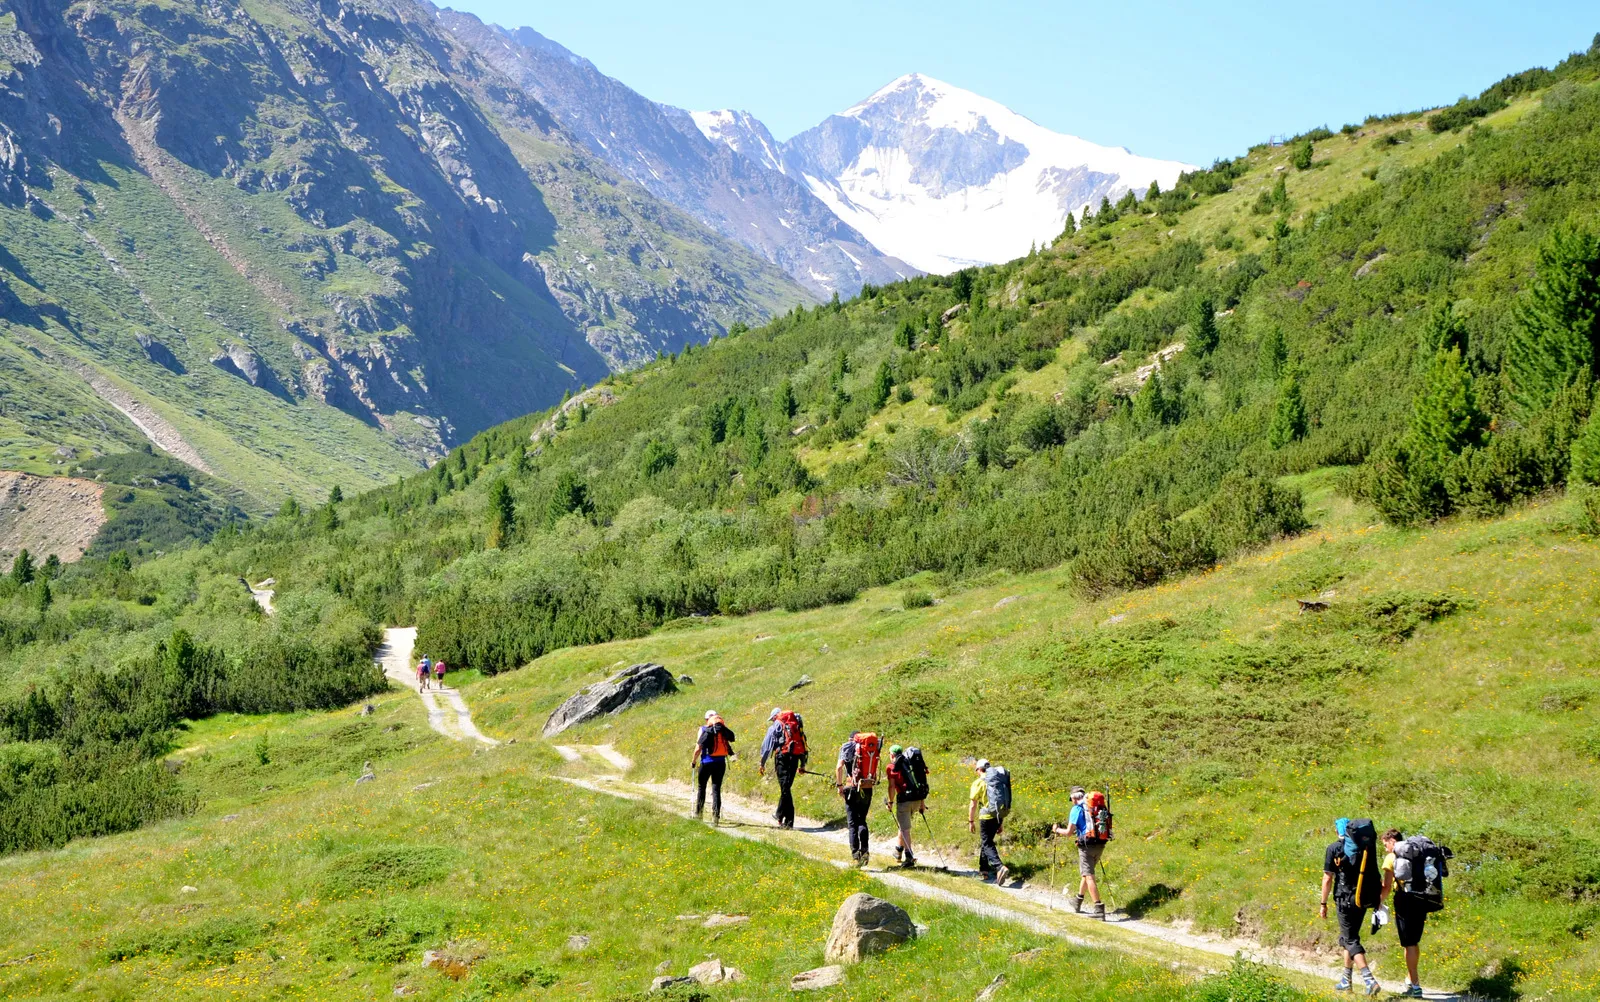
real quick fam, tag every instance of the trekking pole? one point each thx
(932, 838)
(1106, 877)
(1052, 863)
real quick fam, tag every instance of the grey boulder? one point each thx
(864, 925)
(629, 687)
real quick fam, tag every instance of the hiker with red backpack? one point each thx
(1089, 825)
(908, 789)
(713, 745)
(856, 774)
(785, 744)
(988, 803)
(1350, 872)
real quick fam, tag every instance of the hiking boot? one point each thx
(1373, 987)
(1001, 875)
(898, 850)
(909, 861)
(1344, 984)
(1077, 902)
(1412, 992)
(862, 859)
(1099, 911)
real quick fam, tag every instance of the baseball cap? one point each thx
(982, 763)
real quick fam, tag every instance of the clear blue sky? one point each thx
(1188, 81)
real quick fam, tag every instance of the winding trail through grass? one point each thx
(952, 881)
(454, 722)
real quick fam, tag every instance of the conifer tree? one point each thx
(1558, 330)
(1289, 421)
(1153, 192)
(503, 512)
(882, 384)
(1154, 403)
(1446, 418)
(784, 402)
(1586, 452)
(22, 568)
(1274, 352)
(1202, 326)
(1280, 193)
(1303, 154)
(336, 495)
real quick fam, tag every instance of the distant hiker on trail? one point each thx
(712, 746)
(785, 744)
(424, 667)
(856, 775)
(1350, 871)
(908, 789)
(1414, 868)
(1089, 825)
(988, 803)
(438, 673)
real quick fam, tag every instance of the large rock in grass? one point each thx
(864, 925)
(629, 687)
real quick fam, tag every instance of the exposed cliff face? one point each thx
(328, 205)
(662, 149)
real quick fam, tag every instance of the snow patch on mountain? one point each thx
(743, 133)
(943, 178)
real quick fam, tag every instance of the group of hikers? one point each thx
(430, 670)
(905, 779)
(1358, 879)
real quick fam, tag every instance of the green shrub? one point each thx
(915, 598)
(385, 869)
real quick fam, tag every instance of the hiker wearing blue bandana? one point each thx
(1350, 872)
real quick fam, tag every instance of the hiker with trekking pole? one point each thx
(713, 746)
(988, 803)
(785, 744)
(908, 789)
(1350, 872)
(1089, 825)
(856, 774)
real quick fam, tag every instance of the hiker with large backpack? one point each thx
(1414, 868)
(988, 803)
(1350, 872)
(856, 774)
(712, 747)
(1089, 825)
(785, 744)
(908, 789)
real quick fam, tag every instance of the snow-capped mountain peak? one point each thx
(743, 133)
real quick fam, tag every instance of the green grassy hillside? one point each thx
(1382, 396)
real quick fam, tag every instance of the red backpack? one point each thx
(865, 772)
(791, 734)
(1097, 810)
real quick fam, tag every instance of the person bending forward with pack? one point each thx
(1089, 825)
(908, 789)
(1350, 871)
(712, 747)
(785, 744)
(856, 774)
(988, 803)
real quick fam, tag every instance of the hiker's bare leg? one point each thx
(1094, 889)
(1412, 952)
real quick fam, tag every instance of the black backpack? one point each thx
(1419, 870)
(1367, 889)
(915, 772)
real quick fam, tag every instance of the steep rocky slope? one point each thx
(300, 242)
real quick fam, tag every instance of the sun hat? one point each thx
(982, 765)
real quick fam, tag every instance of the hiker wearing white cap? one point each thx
(988, 802)
(785, 744)
(712, 746)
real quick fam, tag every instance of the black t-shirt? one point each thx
(1345, 870)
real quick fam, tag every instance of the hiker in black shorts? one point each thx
(1410, 911)
(1350, 871)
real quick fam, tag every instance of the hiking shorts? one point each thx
(1409, 918)
(1089, 857)
(905, 812)
(1350, 919)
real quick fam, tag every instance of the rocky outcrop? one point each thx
(865, 925)
(629, 687)
(46, 515)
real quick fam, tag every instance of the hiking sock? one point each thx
(1344, 983)
(1370, 979)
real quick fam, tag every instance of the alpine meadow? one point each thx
(1256, 501)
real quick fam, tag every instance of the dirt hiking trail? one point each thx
(1033, 905)
(454, 722)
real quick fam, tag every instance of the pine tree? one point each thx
(784, 402)
(905, 336)
(1071, 225)
(1289, 421)
(1586, 452)
(1202, 326)
(1303, 154)
(336, 495)
(1280, 194)
(1558, 330)
(52, 563)
(1274, 352)
(503, 512)
(290, 508)
(1444, 330)
(1153, 192)
(22, 568)
(1154, 404)
(882, 384)
(1446, 418)
(328, 518)
(43, 597)
(963, 285)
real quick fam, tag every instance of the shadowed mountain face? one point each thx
(736, 191)
(318, 240)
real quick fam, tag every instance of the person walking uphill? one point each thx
(856, 775)
(1089, 825)
(1350, 872)
(988, 803)
(712, 747)
(908, 788)
(1414, 868)
(785, 744)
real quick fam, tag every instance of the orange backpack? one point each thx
(791, 734)
(865, 772)
(1097, 810)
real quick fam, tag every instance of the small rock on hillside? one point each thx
(864, 925)
(629, 687)
(712, 972)
(821, 977)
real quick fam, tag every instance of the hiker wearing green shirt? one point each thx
(988, 802)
